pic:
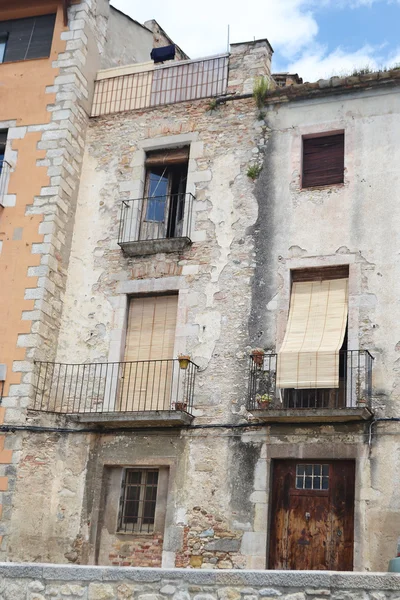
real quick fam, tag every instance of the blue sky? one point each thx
(315, 38)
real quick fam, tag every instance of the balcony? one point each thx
(155, 224)
(5, 169)
(351, 401)
(142, 393)
(140, 86)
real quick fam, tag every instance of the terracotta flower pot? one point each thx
(180, 406)
(258, 357)
(184, 360)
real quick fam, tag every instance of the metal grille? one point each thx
(147, 385)
(167, 84)
(355, 385)
(138, 501)
(312, 477)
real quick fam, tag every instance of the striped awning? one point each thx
(309, 356)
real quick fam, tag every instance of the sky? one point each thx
(314, 38)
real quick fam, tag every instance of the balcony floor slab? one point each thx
(145, 247)
(152, 418)
(312, 415)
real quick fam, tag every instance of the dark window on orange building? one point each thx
(22, 39)
(323, 160)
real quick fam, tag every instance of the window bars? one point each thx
(138, 501)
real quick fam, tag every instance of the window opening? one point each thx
(165, 194)
(323, 160)
(3, 43)
(312, 477)
(22, 39)
(138, 500)
(3, 139)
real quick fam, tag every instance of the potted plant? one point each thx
(180, 405)
(264, 400)
(258, 356)
(184, 360)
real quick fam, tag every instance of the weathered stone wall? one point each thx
(40, 582)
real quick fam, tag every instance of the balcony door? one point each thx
(148, 370)
(312, 515)
(165, 190)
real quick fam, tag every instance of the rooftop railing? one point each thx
(355, 385)
(167, 84)
(121, 387)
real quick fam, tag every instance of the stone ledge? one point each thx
(327, 580)
(146, 247)
(312, 415)
(150, 418)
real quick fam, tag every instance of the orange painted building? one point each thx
(50, 52)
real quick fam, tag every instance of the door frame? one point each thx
(310, 457)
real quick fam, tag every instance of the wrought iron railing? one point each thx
(166, 84)
(355, 385)
(5, 169)
(149, 385)
(156, 218)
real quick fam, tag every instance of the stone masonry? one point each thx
(42, 582)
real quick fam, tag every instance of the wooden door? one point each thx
(147, 373)
(312, 515)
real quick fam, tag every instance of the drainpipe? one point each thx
(379, 420)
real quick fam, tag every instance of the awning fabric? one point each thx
(309, 356)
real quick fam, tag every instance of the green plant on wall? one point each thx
(212, 105)
(253, 171)
(260, 89)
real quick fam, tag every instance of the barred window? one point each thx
(138, 500)
(312, 477)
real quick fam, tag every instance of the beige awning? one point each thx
(309, 356)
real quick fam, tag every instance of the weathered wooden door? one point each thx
(312, 518)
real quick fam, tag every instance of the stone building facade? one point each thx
(135, 458)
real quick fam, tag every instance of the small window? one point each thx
(3, 42)
(22, 39)
(312, 477)
(3, 139)
(138, 501)
(323, 160)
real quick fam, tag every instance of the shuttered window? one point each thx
(323, 160)
(309, 356)
(22, 39)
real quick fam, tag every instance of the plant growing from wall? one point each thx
(260, 89)
(212, 105)
(253, 171)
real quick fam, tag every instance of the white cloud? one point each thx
(202, 29)
(290, 26)
(320, 64)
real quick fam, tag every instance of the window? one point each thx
(165, 194)
(312, 360)
(138, 500)
(323, 160)
(312, 477)
(22, 39)
(3, 139)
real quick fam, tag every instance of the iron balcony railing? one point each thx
(156, 218)
(165, 84)
(355, 385)
(121, 387)
(5, 169)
